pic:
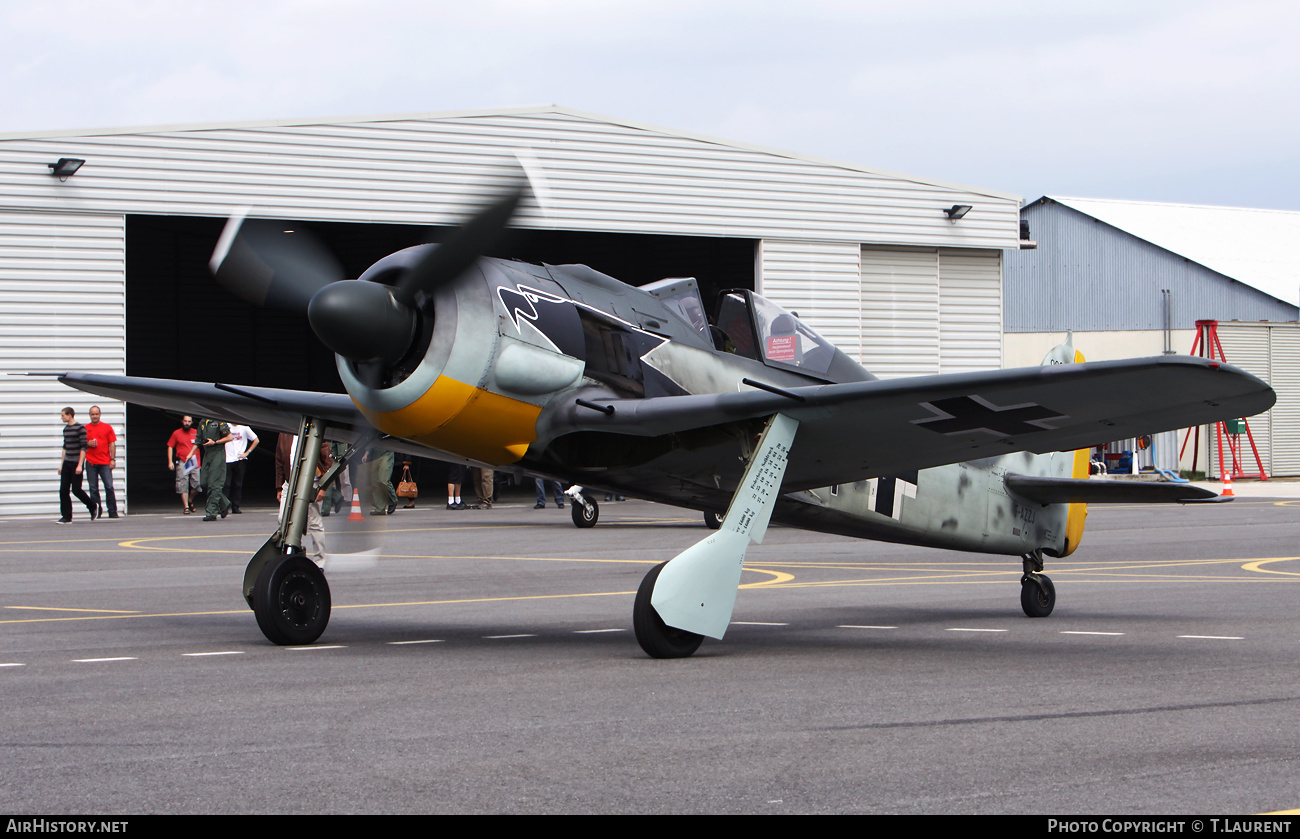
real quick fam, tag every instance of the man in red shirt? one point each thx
(179, 448)
(101, 457)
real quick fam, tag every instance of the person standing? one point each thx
(541, 493)
(179, 448)
(213, 433)
(237, 452)
(74, 460)
(485, 480)
(101, 459)
(383, 499)
(455, 477)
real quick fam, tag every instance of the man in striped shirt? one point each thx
(74, 460)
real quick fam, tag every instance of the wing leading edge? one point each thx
(860, 430)
(263, 407)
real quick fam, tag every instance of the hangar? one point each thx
(104, 270)
(1132, 278)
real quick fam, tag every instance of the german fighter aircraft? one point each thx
(738, 410)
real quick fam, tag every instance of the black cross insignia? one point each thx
(887, 487)
(973, 413)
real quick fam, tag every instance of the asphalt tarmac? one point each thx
(484, 662)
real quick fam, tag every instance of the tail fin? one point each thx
(1065, 353)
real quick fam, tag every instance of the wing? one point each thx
(859, 430)
(263, 407)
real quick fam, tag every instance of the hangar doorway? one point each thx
(180, 324)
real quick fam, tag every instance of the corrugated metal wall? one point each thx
(1272, 352)
(62, 307)
(1086, 276)
(930, 311)
(821, 282)
(970, 310)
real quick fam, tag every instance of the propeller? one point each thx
(372, 324)
(367, 322)
(265, 264)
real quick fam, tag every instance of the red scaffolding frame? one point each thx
(1207, 343)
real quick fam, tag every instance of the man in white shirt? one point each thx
(237, 452)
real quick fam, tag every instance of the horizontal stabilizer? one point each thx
(1047, 490)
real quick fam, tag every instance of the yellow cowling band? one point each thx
(462, 419)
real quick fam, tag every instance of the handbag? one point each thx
(406, 487)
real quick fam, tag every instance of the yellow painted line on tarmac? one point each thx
(135, 615)
(524, 558)
(337, 606)
(63, 609)
(1255, 566)
(486, 599)
(7, 545)
(143, 543)
(966, 574)
(139, 544)
(778, 577)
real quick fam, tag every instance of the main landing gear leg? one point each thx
(693, 594)
(1037, 594)
(286, 590)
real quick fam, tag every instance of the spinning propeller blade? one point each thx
(265, 264)
(372, 324)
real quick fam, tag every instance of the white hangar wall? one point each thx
(62, 244)
(62, 307)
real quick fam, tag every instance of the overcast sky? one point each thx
(1185, 101)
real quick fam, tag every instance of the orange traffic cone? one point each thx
(1227, 487)
(355, 515)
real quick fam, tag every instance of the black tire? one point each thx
(291, 601)
(658, 639)
(582, 517)
(1038, 601)
(713, 519)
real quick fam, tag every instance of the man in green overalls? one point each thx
(212, 437)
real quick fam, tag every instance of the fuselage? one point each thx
(511, 347)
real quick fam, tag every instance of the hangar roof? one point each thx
(599, 174)
(522, 111)
(1255, 247)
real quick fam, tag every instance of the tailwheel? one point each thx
(1037, 595)
(291, 601)
(657, 638)
(585, 511)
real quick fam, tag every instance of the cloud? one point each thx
(1009, 94)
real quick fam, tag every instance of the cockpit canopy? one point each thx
(756, 327)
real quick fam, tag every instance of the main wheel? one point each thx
(291, 601)
(582, 515)
(713, 519)
(657, 638)
(1037, 600)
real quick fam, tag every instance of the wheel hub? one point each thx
(299, 600)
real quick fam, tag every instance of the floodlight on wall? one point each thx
(956, 211)
(66, 167)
